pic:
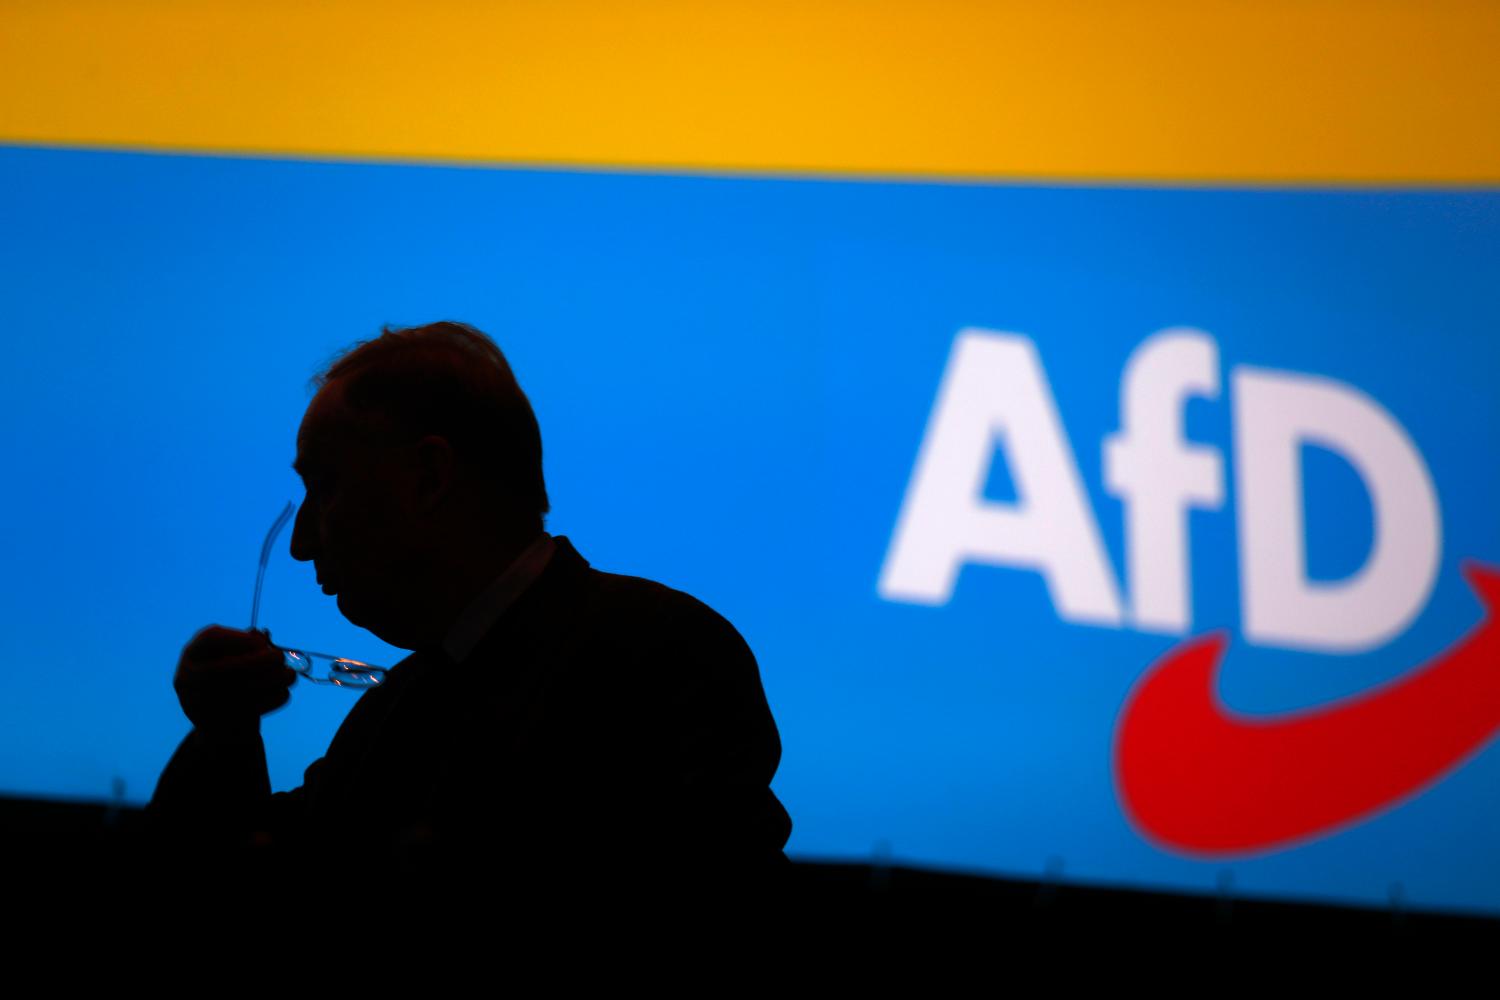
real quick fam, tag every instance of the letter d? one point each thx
(1274, 414)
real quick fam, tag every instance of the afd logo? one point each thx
(1192, 774)
(994, 394)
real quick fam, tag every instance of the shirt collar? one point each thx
(485, 610)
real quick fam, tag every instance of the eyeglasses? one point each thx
(319, 668)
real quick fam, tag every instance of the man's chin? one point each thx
(351, 610)
(377, 625)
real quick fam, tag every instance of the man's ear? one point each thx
(435, 471)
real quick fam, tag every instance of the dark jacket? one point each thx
(606, 727)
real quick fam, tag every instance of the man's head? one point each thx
(423, 467)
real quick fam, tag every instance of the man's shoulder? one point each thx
(650, 603)
(618, 618)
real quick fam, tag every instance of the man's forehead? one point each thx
(330, 428)
(323, 427)
(312, 450)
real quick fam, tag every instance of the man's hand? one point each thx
(227, 678)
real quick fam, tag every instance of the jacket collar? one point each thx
(491, 603)
(539, 611)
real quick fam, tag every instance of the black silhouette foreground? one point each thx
(555, 728)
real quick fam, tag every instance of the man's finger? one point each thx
(258, 661)
(217, 640)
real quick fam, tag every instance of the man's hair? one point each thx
(448, 379)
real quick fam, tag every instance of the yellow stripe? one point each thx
(1197, 90)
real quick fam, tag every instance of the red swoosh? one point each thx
(1199, 778)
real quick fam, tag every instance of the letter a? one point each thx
(994, 391)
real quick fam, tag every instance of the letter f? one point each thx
(1157, 475)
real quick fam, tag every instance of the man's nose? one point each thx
(304, 535)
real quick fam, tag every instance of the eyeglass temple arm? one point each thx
(265, 557)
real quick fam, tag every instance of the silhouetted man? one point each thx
(553, 722)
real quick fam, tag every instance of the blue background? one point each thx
(733, 376)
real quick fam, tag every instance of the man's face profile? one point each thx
(355, 524)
